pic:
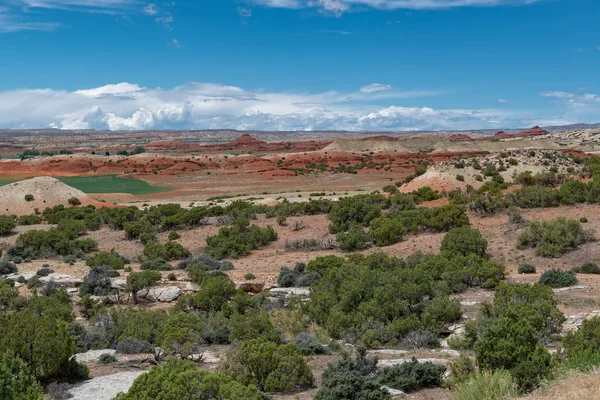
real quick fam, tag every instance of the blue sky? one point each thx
(298, 64)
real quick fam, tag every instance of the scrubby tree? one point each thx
(271, 367)
(7, 225)
(137, 281)
(555, 237)
(464, 240)
(17, 382)
(386, 231)
(180, 379)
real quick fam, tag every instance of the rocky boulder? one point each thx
(252, 287)
(164, 294)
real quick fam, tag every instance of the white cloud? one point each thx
(150, 9)
(340, 6)
(579, 107)
(127, 106)
(343, 33)
(166, 20)
(176, 43)
(375, 87)
(244, 12)
(16, 15)
(503, 101)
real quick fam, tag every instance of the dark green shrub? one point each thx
(386, 231)
(464, 240)
(214, 293)
(131, 345)
(512, 328)
(308, 345)
(17, 381)
(137, 281)
(249, 277)
(7, 267)
(156, 264)
(583, 220)
(7, 225)
(585, 339)
(74, 201)
(351, 379)
(111, 259)
(349, 211)
(172, 277)
(29, 197)
(176, 379)
(271, 367)
(587, 268)
(412, 375)
(556, 278)
(106, 359)
(527, 269)
(354, 239)
(167, 251)
(98, 281)
(173, 235)
(30, 220)
(553, 238)
(286, 278)
(239, 240)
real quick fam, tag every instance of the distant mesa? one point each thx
(460, 137)
(535, 131)
(245, 140)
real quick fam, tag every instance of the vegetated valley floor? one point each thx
(267, 179)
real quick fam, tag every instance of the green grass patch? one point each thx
(111, 184)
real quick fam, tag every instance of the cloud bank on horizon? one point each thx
(127, 106)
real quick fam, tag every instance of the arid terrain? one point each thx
(271, 173)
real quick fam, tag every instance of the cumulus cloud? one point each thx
(340, 6)
(128, 106)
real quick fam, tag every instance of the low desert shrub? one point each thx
(106, 359)
(411, 376)
(131, 345)
(308, 345)
(497, 385)
(553, 238)
(587, 268)
(157, 264)
(527, 269)
(556, 278)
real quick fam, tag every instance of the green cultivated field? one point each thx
(104, 184)
(111, 184)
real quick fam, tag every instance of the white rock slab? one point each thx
(105, 387)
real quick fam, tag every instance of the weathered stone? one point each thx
(399, 361)
(251, 287)
(567, 289)
(207, 357)
(119, 284)
(105, 387)
(93, 355)
(395, 393)
(27, 275)
(62, 280)
(164, 294)
(286, 292)
(192, 287)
